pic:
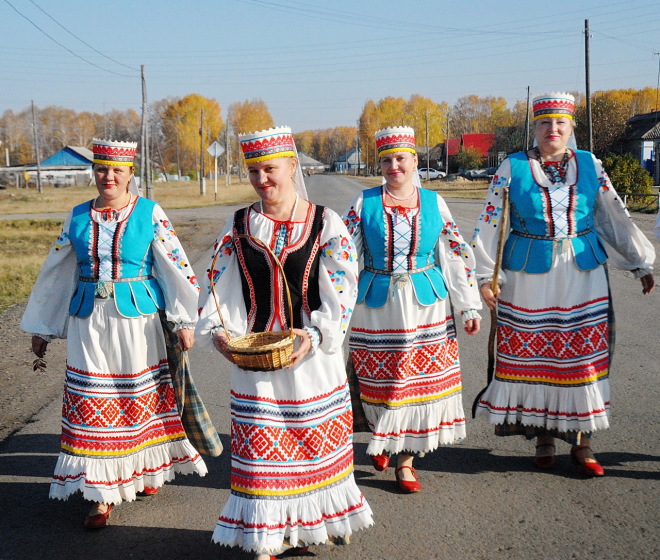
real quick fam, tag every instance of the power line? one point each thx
(79, 39)
(63, 46)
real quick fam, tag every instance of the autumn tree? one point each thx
(479, 114)
(608, 116)
(469, 158)
(247, 116)
(14, 132)
(182, 121)
(416, 112)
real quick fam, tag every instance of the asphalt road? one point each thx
(481, 499)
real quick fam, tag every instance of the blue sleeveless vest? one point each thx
(136, 292)
(529, 247)
(377, 227)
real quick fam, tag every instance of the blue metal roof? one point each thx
(70, 155)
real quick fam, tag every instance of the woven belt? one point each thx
(548, 238)
(406, 273)
(105, 288)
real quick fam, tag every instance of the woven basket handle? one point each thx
(275, 260)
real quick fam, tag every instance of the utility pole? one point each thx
(447, 146)
(227, 170)
(37, 150)
(588, 85)
(657, 112)
(202, 181)
(145, 172)
(657, 88)
(426, 118)
(527, 123)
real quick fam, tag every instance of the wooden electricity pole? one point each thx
(588, 85)
(202, 181)
(527, 123)
(36, 149)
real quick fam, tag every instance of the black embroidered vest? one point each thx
(263, 290)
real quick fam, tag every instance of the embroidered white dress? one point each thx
(291, 430)
(405, 354)
(553, 338)
(121, 430)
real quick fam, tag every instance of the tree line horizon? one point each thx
(175, 125)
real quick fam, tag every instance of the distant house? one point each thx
(349, 162)
(71, 166)
(642, 139)
(481, 141)
(309, 164)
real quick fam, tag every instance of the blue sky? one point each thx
(315, 63)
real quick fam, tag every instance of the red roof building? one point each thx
(453, 145)
(482, 141)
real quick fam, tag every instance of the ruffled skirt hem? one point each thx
(265, 525)
(416, 429)
(565, 409)
(115, 479)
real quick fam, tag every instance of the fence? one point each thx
(646, 206)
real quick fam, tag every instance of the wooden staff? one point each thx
(495, 286)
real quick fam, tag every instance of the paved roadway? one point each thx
(480, 500)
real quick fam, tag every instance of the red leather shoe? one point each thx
(407, 486)
(545, 461)
(98, 520)
(380, 462)
(149, 491)
(589, 466)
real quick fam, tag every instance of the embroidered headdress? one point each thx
(556, 104)
(270, 144)
(267, 144)
(112, 152)
(395, 139)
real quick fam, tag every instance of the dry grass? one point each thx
(171, 194)
(24, 245)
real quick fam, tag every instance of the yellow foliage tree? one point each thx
(182, 120)
(247, 116)
(472, 113)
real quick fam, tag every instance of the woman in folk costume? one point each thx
(116, 263)
(554, 310)
(292, 479)
(403, 338)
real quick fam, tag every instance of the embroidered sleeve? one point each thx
(174, 272)
(484, 239)
(224, 273)
(353, 223)
(47, 310)
(457, 263)
(337, 283)
(628, 248)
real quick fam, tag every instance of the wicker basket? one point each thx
(264, 351)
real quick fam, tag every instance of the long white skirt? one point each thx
(121, 430)
(292, 478)
(405, 356)
(553, 351)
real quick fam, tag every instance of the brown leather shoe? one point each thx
(98, 520)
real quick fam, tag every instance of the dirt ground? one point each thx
(25, 392)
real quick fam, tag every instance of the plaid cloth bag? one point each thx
(194, 416)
